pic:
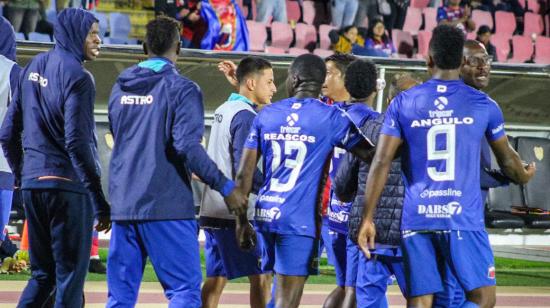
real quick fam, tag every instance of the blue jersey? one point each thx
(296, 138)
(338, 211)
(442, 124)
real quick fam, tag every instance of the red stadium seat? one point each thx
(542, 50)
(419, 4)
(308, 9)
(281, 35)
(297, 51)
(505, 23)
(481, 18)
(413, 20)
(533, 24)
(306, 36)
(293, 10)
(323, 53)
(257, 34)
(403, 42)
(533, 6)
(324, 40)
(274, 50)
(424, 38)
(523, 49)
(471, 36)
(502, 45)
(430, 18)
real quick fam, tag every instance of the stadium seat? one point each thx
(306, 36)
(293, 10)
(413, 20)
(419, 4)
(522, 49)
(324, 39)
(424, 38)
(522, 3)
(481, 18)
(542, 50)
(20, 36)
(430, 18)
(297, 51)
(533, 24)
(308, 10)
(323, 53)
(502, 45)
(471, 36)
(536, 192)
(403, 42)
(505, 23)
(120, 27)
(533, 6)
(274, 50)
(103, 23)
(39, 37)
(281, 35)
(502, 220)
(258, 35)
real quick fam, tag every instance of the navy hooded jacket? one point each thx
(52, 118)
(157, 120)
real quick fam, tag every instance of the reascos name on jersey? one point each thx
(289, 137)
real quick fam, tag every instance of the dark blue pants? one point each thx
(173, 248)
(59, 226)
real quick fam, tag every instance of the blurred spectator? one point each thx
(348, 38)
(514, 7)
(192, 24)
(168, 8)
(454, 14)
(226, 26)
(43, 25)
(366, 8)
(484, 37)
(23, 15)
(396, 19)
(343, 12)
(377, 42)
(271, 8)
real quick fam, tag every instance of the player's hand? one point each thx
(103, 224)
(531, 169)
(246, 236)
(365, 239)
(236, 202)
(229, 69)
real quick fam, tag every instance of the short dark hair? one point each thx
(251, 65)
(483, 29)
(360, 80)
(446, 47)
(370, 30)
(342, 61)
(309, 68)
(162, 33)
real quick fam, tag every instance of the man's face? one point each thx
(91, 44)
(485, 38)
(334, 82)
(476, 69)
(264, 87)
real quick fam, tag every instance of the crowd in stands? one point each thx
(512, 30)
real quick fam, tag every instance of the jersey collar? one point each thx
(237, 97)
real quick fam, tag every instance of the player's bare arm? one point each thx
(244, 231)
(510, 162)
(378, 174)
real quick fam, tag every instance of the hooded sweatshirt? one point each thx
(53, 111)
(157, 120)
(9, 73)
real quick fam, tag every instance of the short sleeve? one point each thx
(391, 126)
(253, 139)
(495, 125)
(345, 134)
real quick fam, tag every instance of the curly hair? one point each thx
(446, 47)
(162, 33)
(360, 80)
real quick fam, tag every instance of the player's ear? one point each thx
(430, 62)
(251, 84)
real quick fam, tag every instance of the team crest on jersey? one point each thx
(441, 102)
(296, 106)
(491, 274)
(292, 119)
(539, 152)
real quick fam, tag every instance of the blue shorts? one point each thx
(352, 260)
(224, 257)
(326, 242)
(373, 275)
(289, 255)
(468, 255)
(345, 259)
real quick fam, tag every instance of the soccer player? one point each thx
(439, 126)
(157, 122)
(296, 137)
(360, 81)
(232, 122)
(9, 75)
(58, 172)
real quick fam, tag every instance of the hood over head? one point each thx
(71, 30)
(7, 39)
